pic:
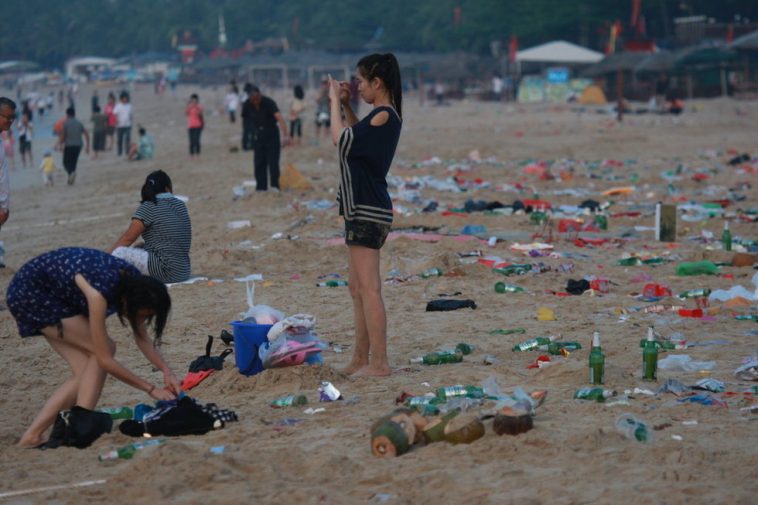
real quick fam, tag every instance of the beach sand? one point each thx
(573, 454)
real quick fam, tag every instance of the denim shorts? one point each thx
(366, 233)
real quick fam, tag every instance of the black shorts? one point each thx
(366, 233)
(24, 146)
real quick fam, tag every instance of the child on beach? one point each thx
(47, 167)
(366, 149)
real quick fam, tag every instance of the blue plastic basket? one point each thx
(247, 339)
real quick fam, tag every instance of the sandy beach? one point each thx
(573, 455)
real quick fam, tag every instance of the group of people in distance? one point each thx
(65, 295)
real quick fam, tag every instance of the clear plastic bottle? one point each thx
(633, 428)
(431, 272)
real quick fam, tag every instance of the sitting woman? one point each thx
(66, 295)
(163, 222)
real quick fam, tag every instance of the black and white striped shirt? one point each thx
(168, 237)
(366, 153)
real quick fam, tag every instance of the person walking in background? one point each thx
(296, 111)
(195, 123)
(25, 129)
(110, 129)
(366, 150)
(95, 100)
(7, 116)
(247, 120)
(123, 113)
(70, 140)
(232, 101)
(322, 110)
(267, 143)
(99, 127)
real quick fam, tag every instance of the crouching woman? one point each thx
(65, 295)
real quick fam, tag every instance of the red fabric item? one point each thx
(192, 379)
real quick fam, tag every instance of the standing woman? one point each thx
(366, 149)
(110, 129)
(195, 123)
(164, 223)
(65, 295)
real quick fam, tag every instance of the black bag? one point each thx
(208, 362)
(577, 287)
(78, 427)
(447, 305)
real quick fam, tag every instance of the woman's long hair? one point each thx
(385, 68)
(156, 183)
(136, 292)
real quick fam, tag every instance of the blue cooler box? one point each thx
(247, 339)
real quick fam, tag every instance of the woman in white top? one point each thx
(123, 113)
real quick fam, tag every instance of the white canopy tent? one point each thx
(82, 67)
(559, 52)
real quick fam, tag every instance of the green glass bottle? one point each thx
(464, 348)
(446, 393)
(289, 401)
(695, 293)
(556, 348)
(597, 394)
(128, 451)
(509, 331)
(601, 220)
(747, 317)
(650, 357)
(501, 287)
(439, 358)
(629, 262)
(332, 284)
(533, 343)
(597, 361)
(726, 237)
(119, 412)
(515, 269)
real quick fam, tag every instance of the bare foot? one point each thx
(29, 443)
(373, 371)
(353, 367)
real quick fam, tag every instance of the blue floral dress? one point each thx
(43, 291)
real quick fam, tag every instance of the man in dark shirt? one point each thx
(247, 123)
(264, 115)
(70, 139)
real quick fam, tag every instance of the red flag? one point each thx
(512, 48)
(730, 33)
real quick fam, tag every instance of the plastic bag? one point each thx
(292, 341)
(684, 363)
(259, 314)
